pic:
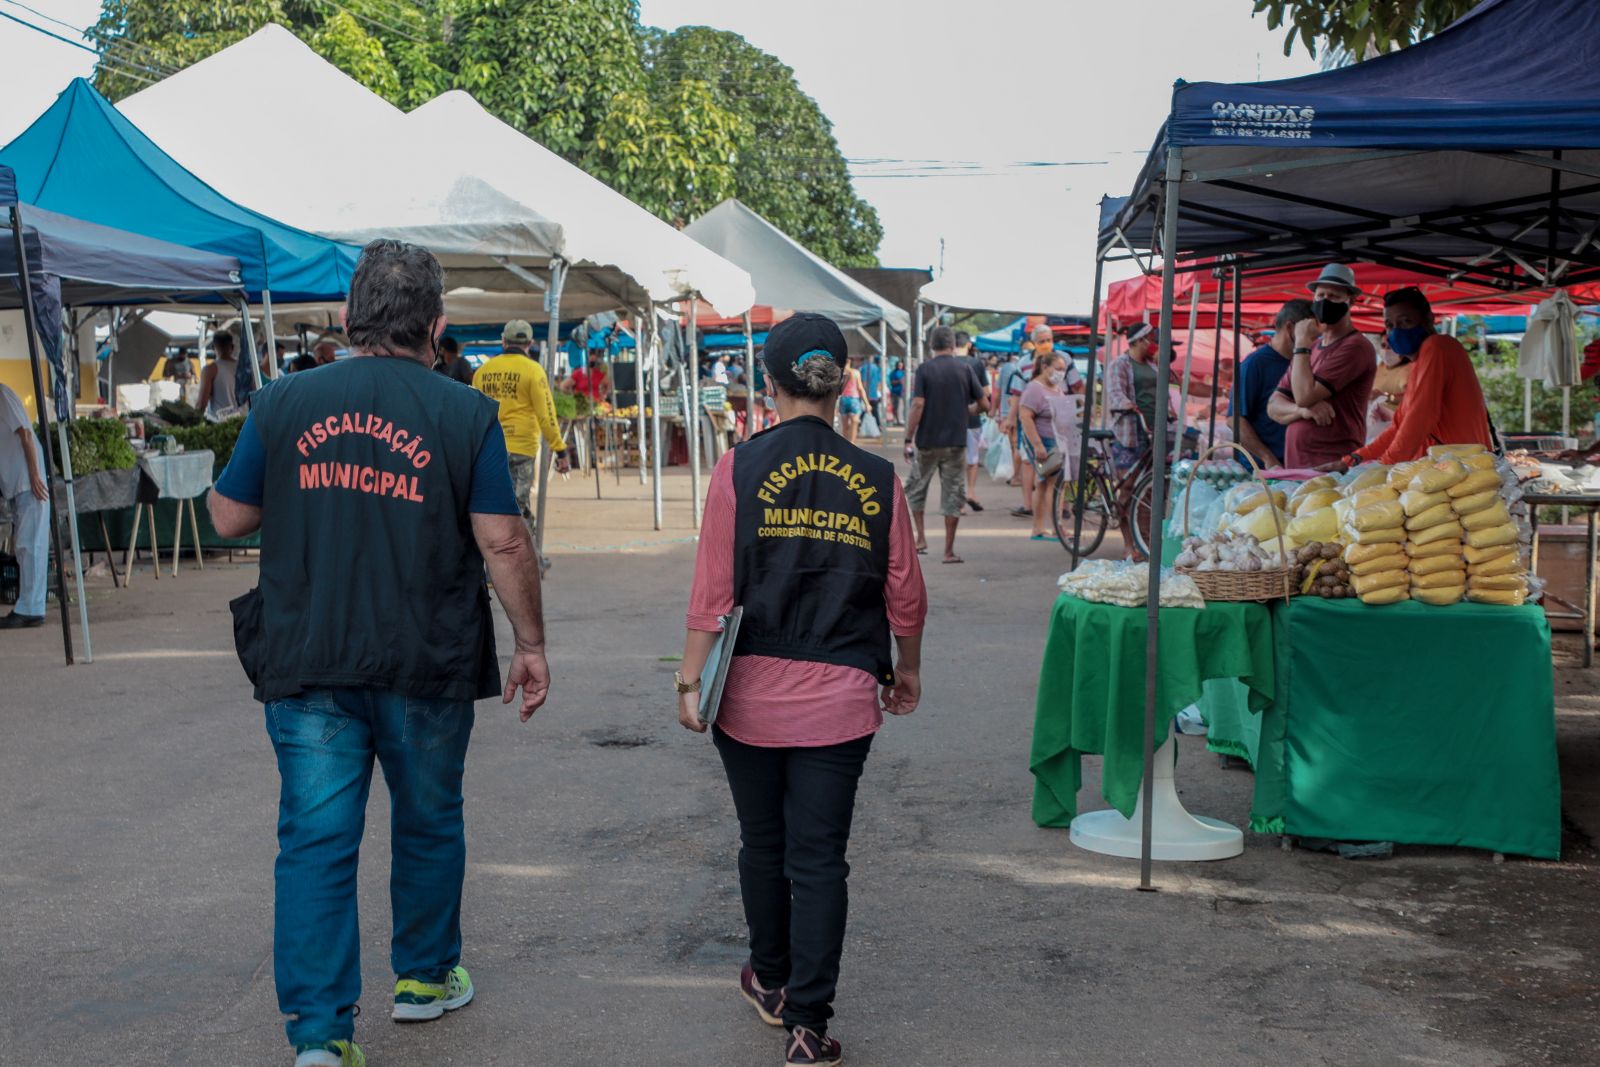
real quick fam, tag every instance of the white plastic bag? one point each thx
(989, 434)
(870, 427)
(997, 460)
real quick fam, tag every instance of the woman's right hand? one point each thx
(903, 697)
(689, 712)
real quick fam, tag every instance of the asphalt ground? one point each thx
(602, 923)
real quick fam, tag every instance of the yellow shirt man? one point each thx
(523, 390)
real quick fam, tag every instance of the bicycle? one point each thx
(1107, 500)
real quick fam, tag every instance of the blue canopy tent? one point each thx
(1427, 159)
(49, 260)
(84, 159)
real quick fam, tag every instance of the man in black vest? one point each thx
(381, 489)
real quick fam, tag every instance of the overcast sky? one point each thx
(994, 83)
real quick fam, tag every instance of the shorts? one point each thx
(952, 480)
(974, 447)
(1049, 444)
(850, 405)
(523, 469)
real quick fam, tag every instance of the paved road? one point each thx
(602, 920)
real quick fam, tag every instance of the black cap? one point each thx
(798, 338)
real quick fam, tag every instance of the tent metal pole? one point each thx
(1158, 505)
(639, 358)
(113, 337)
(269, 335)
(1188, 371)
(1085, 421)
(77, 546)
(691, 409)
(1216, 352)
(552, 301)
(249, 331)
(883, 378)
(749, 379)
(1238, 284)
(42, 407)
(655, 412)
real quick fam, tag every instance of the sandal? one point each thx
(974, 505)
(1041, 537)
(1022, 513)
(953, 559)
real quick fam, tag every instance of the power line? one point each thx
(143, 54)
(126, 71)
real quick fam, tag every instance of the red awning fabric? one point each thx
(1133, 299)
(761, 318)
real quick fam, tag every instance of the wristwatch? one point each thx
(1302, 351)
(683, 686)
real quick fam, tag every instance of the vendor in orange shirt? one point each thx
(1443, 403)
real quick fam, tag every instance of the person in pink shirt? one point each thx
(811, 536)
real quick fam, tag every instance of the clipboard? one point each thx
(716, 669)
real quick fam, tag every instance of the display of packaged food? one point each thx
(1498, 582)
(1365, 477)
(1493, 515)
(1378, 516)
(1319, 525)
(1393, 594)
(1476, 502)
(1368, 583)
(1453, 451)
(1495, 535)
(1354, 554)
(1314, 501)
(1507, 564)
(1390, 535)
(1437, 564)
(1475, 554)
(1439, 598)
(1454, 578)
(1507, 597)
(1475, 482)
(1415, 503)
(1435, 515)
(1432, 549)
(1437, 477)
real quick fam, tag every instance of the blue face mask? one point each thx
(1406, 342)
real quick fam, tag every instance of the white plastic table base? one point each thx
(1174, 833)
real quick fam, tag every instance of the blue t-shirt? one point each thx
(872, 378)
(244, 479)
(1258, 379)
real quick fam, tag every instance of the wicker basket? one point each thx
(1262, 585)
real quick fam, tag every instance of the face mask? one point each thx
(1057, 377)
(1329, 312)
(1406, 342)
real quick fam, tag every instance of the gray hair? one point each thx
(1293, 311)
(941, 339)
(1042, 332)
(396, 295)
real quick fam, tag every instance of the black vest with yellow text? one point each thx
(811, 548)
(370, 574)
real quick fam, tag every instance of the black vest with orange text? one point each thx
(370, 574)
(811, 548)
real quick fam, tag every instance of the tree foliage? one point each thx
(1359, 29)
(790, 169)
(677, 122)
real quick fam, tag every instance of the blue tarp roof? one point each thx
(1509, 74)
(83, 158)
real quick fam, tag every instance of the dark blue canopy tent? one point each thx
(1473, 155)
(49, 260)
(84, 159)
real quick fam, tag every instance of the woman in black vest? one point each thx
(810, 536)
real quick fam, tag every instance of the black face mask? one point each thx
(1329, 312)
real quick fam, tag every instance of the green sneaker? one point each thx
(329, 1054)
(418, 1002)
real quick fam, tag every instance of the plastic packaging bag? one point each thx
(1364, 477)
(1501, 582)
(1319, 525)
(988, 435)
(1379, 563)
(1383, 516)
(1445, 531)
(1400, 474)
(1389, 595)
(1416, 503)
(1475, 554)
(1371, 583)
(1476, 502)
(1507, 564)
(870, 427)
(1508, 597)
(1314, 500)
(1494, 515)
(997, 460)
(1450, 579)
(1475, 482)
(1378, 494)
(1454, 451)
(1248, 496)
(1393, 535)
(1438, 477)
(1494, 535)
(1439, 513)
(1437, 565)
(1354, 554)
(1439, 598)
(1446, 547)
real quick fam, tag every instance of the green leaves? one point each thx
(1353, 30)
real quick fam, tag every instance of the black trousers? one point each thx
(795, 806)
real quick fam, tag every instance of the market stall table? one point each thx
(1413, 724)
(1091, 700)
(181, 477)
(1587, 503)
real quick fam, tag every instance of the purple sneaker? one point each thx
(807, 1048)
(768, 1004)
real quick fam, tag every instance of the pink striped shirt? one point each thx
(783, 703)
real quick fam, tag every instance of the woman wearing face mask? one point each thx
(1443, 402)
(1044, 397)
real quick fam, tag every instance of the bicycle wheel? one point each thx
(1143, 517)
(1096, 511)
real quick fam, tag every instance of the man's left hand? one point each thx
(563, 463)
(41, 491)
(530, 673)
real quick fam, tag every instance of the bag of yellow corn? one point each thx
(1313, 501)
(1439, 598)
(1508, 597)
(1400, 474)
(1445, 531)
(1432, 549)
(1371, 583)
(1435, 565)
(1475, 482)
(1378, 494)
(1389, 595)
(1451, 579)
(1507, 564)
(1498, 581)
(1354, 554)
(1365, 477)
(1262, 523)
(1417, 503)
(1351, 536)
(1319, 525)
(1432, 517)
(1475, 554)
(1381, 516)
(1437, 477)
(1379, 563)
(1493, 515)
(1505, 534)
(1476, 502)
(1453, 451)
(1483, 461)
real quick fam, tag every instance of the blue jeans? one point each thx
(325, 741)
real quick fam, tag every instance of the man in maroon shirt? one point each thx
(1323, 398)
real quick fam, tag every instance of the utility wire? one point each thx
(125, 71)
(143, 55)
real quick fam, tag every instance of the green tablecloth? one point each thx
(1233, 726)
(1091, 690)
(1410, 723)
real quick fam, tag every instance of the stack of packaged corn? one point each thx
(1436, 530)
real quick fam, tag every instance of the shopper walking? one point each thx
(944, 393)
(22, 482)
(810, 536)
(852, 401)
(381, 489)
(1046, 415)
(980, 370)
